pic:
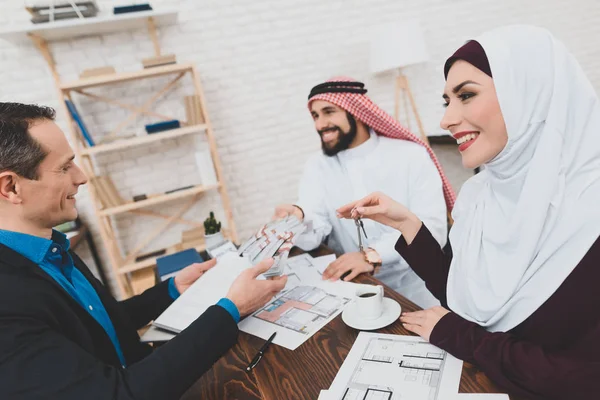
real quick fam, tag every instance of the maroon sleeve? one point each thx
(425, 256)
(522, 367)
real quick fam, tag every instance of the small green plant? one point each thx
(211, 225)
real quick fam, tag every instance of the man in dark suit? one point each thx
(62, 335)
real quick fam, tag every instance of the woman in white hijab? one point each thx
(522, 283)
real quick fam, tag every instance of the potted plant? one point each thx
(212, 232)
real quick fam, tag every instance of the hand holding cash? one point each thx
(275, 239)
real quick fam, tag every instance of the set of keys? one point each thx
(359, 226)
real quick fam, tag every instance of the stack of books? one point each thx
(62, 10)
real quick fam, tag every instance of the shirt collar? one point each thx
(363, 149)
(33, 247)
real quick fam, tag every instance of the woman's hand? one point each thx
(383, 209)
(423, 322)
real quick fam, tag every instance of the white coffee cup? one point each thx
(369, 301)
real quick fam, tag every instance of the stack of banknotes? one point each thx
(275, 240)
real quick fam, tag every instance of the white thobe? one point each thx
(401, 169)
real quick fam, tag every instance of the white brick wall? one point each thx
(258, 60)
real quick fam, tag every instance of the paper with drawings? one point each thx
(306, 305)
(301, 269)
(381, 366)
(298, 313)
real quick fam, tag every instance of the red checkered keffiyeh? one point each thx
(364, 110)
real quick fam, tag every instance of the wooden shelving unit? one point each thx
(132, 276)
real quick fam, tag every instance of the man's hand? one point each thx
(353, 262)
(422, 322)
(190, 274)
(249, 294)
(283, 210)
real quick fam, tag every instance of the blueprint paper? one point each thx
(299, 312)
(381, 366)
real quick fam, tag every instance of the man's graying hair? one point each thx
(19, 152)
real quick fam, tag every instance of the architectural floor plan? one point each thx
(395, 367)
(302, 308)
(297, 313)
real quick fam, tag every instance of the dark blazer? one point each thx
(51, 348)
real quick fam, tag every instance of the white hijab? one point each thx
(523, 224)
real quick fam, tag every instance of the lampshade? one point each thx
(396, 45)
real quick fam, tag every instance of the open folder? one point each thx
(205, 292)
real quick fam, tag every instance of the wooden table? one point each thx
(301, 374)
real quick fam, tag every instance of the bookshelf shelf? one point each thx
(138, 141)
(101, 24)
(120, 77)
(163, 198)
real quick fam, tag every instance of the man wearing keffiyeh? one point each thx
(366, 150)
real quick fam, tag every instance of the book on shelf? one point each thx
(131, 8)
(44, 13)
(162, 126)
(79, 121)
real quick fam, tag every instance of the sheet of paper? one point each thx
(323, 262)
(381, 366)
(153, 334)
(306, 270)
(297, 313)
(205, 292)
(301, 270)
(324, 395)
(221, 250)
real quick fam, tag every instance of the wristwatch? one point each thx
(373, 258)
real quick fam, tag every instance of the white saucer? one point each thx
(391, 312)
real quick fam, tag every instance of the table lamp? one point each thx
(394, 46)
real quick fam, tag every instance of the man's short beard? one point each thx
(344, 139)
